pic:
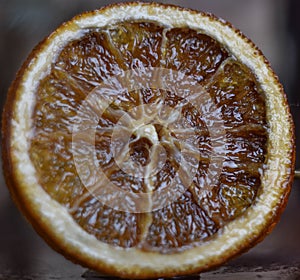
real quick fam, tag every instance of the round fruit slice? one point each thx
(146, 140)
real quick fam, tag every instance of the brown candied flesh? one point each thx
(234, 90)
(237, 187)
(57, 177)
(113, 227)
(109, 226)
(178, 225)
(246, 145)
(196, 216)
(89, 60)
(138, 43)
(193, 53)
(53, 163)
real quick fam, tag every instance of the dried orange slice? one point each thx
(146, 140)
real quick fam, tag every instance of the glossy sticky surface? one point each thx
(196, 216)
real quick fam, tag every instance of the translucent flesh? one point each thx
(82, 66)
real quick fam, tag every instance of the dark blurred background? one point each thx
(274, 25)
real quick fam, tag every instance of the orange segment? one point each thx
(234, 89)
(139, 43)
(107, 225)
(52, 161)
(179, 225)
(193, 53)
(245, 145)
(89, 59)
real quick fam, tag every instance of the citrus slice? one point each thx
(146, 140)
